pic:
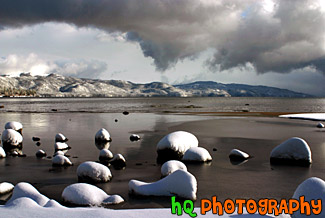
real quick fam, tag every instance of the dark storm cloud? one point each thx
(273, 36)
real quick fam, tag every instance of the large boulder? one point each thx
(93, 172)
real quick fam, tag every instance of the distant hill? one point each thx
(55, 85)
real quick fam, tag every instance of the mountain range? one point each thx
(55, 85)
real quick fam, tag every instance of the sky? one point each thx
(258, 42)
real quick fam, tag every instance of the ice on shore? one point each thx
(174, 145)
(306, 116)
(238, 154)
(103, 136)
(60, 160)
(197, 154)
(26, 190)
(293, 151)
(11, 137)
(93, 172)
(61, 146)
(171, 166)
(2, 153)
(6, 187)
(105, 155)
(17, 126)
(179, 183)
(60, 138)
(88, 195)
(313, 189)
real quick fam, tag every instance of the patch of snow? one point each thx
(92, 171)
(295, 149)
(11, 137)
(88, 195)
(171, 166)
(60, 160)
(14, 125)
(103, 135)
(61, 146)
(105, 155)
(24, 189)
(178, 141)
(306, 116)
(235, 153)
(313, 189)
(197, 154)
(2, 153)
(6, 187)
(60, 138)
(179, 183)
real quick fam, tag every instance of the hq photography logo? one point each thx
(261, 206)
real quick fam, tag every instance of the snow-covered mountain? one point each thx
(55, 85)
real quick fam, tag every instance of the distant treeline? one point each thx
(7, 92)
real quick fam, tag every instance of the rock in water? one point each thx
(60, 160)
(105, 155)
(40, 154)
(93, 172)
(60, 138)
(17, 126)
(312, 189)
(239, 155)
(197, 154)
(294, 151)
(103, 136)
(118, 162)
(83, 194)
(134, 138)
(179, 183)
(174, 145)
(320, 125)
(171, 166)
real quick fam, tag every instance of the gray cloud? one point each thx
(273, 36)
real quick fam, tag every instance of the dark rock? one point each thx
(38, 143)
(126, 113)
(134, 138)
(36, 139)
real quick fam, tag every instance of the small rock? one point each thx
(126, 113)
(118, 162)
(116, 120)
(38, 143)
(134, 138)
(320, 125)
(36, 139)
(214, 149)
(40, 154)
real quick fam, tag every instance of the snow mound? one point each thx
(180, 183)
(88, 195)
(313, 189)
(320, 125)
(11, 137)
(93, 172)
(14, 125)
(174, 145)
(60, 160)
(105, 155)
(60, 138)
(61, 146)
(2, 153)
(103, 136)
(197, 154)
(306, 116)
(40, 153)
(53, 204)
(6, 187)
(293, 151)
(238, 154)
(26, 190)
(134, 138)
(171, 166)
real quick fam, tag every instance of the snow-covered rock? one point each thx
(11, 137)
(60, 138)
(103, 136)
(293, 151)
(320, 125)
(58, 153)
(306, 116)
(88, 195)
(238, 154)
(60, 160)
(105, 155)
(2, 153)
(40, 153)
(197, 154)
(118, 161)
(179, 183)
(26, 190)
(6, 187)
(134, 137)
(174, 145)
(90, 171)
(61, 146)
(171, 166)
(17, 126)
(312, 189)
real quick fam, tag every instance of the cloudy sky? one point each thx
(265, 42)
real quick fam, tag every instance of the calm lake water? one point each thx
(80, 119)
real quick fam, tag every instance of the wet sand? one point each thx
(256, 135)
